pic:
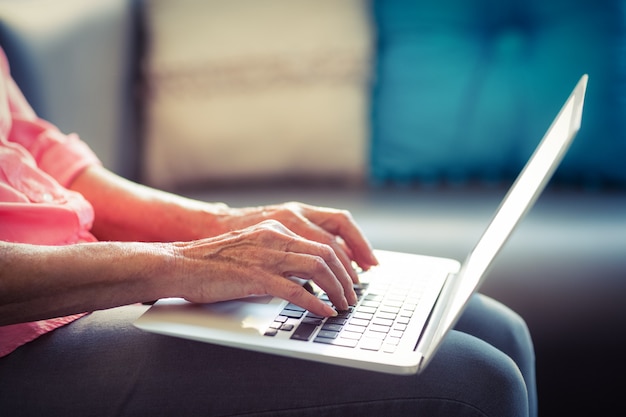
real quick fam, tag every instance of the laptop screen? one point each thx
(520, 198)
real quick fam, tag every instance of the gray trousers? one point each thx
(101, 365)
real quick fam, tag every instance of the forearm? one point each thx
(39, 282)
(127, 211)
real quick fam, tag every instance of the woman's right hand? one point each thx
(258, 261)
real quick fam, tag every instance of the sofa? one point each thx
(415, 115)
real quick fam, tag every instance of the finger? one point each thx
(325, 270)
(346, 260)
(316, 241)
(325, 257)
(340, 223)
(314, 232)
(297, 295)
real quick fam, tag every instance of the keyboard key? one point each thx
(406, 313)
(378, 328)
(374, 304)
(382, 322)
(353, 328)
(373, 297)
(396, 333)
(359, 291)
(351, 335)
(389, 316)
(294, 307)
(396, 297)
(332, 327)
(388, 348)
(344, 314)
(329, 334)
(359, 322)
(312, 320)
(304, 332)
(400, 327)
(364, 316)
(389, 309)
(371, 344)
(271, 332)
(336, 320)
(374, 335)
(337, 342)
(392, 341)
(392, 303)
(365, 309)
(292, 314)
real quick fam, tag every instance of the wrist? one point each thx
(160, 270)
(203, 219)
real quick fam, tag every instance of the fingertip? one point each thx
(329, 311)
(366, 266)
(352, 297)
(373, 259)
(366, 259)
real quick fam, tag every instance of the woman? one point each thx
(76, 238)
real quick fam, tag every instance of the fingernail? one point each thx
(330, 311)
(353, 297)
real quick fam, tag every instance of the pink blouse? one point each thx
(37, 163)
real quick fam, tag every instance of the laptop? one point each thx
(407, 304)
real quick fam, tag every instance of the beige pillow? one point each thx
(256, 89)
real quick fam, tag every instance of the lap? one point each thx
(102, 365)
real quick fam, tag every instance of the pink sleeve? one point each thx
(61, 156)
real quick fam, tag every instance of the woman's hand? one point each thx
(258, 260)
(331, 227)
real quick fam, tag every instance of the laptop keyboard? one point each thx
(377, 322)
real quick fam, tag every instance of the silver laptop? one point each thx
(406, 305)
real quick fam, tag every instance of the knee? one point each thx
(481, 376)
(510, 333)
(498, 325)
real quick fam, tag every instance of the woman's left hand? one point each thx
(332, 227)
